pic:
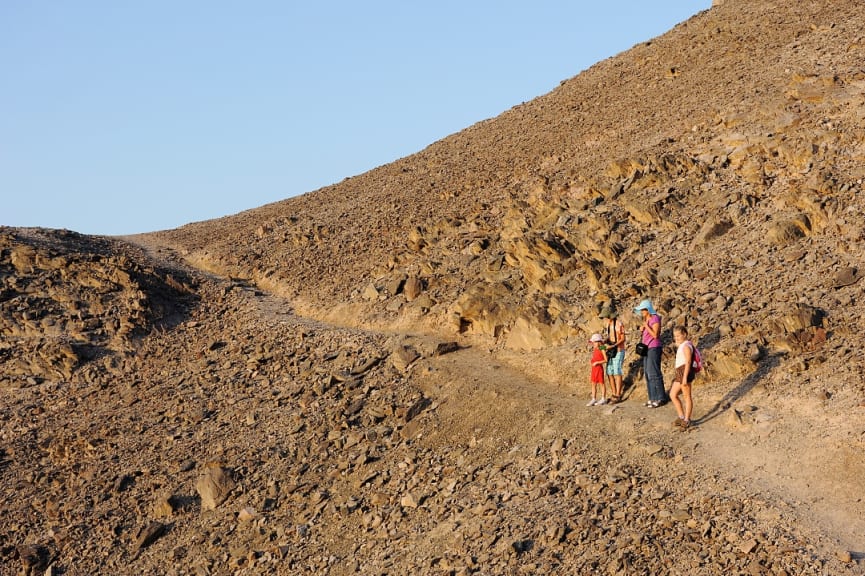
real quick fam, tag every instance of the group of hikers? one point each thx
(608, 360)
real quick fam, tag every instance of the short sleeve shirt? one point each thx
(647, 337)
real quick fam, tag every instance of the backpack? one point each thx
(697, 360)
(612, 349)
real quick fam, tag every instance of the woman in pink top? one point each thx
(651, 337)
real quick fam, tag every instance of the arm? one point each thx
(620, 335)
(604, 352)
(653, 329)
(601, 362)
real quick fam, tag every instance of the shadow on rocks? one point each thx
(741, 390)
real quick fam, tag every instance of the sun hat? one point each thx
(596, 338)
(645, 305)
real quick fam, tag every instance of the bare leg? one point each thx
(674, 398)
(689, 403)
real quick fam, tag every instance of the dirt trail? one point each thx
(780, 447)
(489, 400)
(499, 401)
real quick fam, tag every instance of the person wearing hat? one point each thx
(598, 364)
(651, 336)
(614, 332)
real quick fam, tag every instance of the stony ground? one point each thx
(387, 376)
(237, 437)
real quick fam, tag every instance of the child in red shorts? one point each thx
(599, 364)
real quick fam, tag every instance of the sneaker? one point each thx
(678, 422)
(592, 402)
(601, 402)
(686, 424)
(654, 404)
(649, 404)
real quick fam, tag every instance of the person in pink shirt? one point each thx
(651, 337)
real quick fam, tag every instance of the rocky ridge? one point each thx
(67, 299)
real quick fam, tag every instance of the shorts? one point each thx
(615, 364)
(680, 371)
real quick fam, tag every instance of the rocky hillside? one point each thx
(230, 436)
(379, 377)
(717, 169)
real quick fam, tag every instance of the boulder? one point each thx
(214, 486)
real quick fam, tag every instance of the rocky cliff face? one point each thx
(379, 376)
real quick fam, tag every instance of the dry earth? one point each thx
(387, 376)
(348, 451)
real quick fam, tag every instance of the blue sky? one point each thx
(118, 117)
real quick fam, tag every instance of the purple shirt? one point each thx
(647, 337)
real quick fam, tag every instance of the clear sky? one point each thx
(125, 116)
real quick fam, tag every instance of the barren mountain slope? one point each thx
(380, 377)
(735, 99)
(716, 169)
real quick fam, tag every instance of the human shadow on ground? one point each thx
(634, 374)
(744, 387)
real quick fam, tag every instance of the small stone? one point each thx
(213, 486)
(845, 556)
(403, 357)
(748, 546)
(412, 288)
(149, 534)
(755, 353)
(681, 515)
(408, 501)
(379, 499)
(446, 348)
(164, 507)
(371, 292)
(847, 277)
